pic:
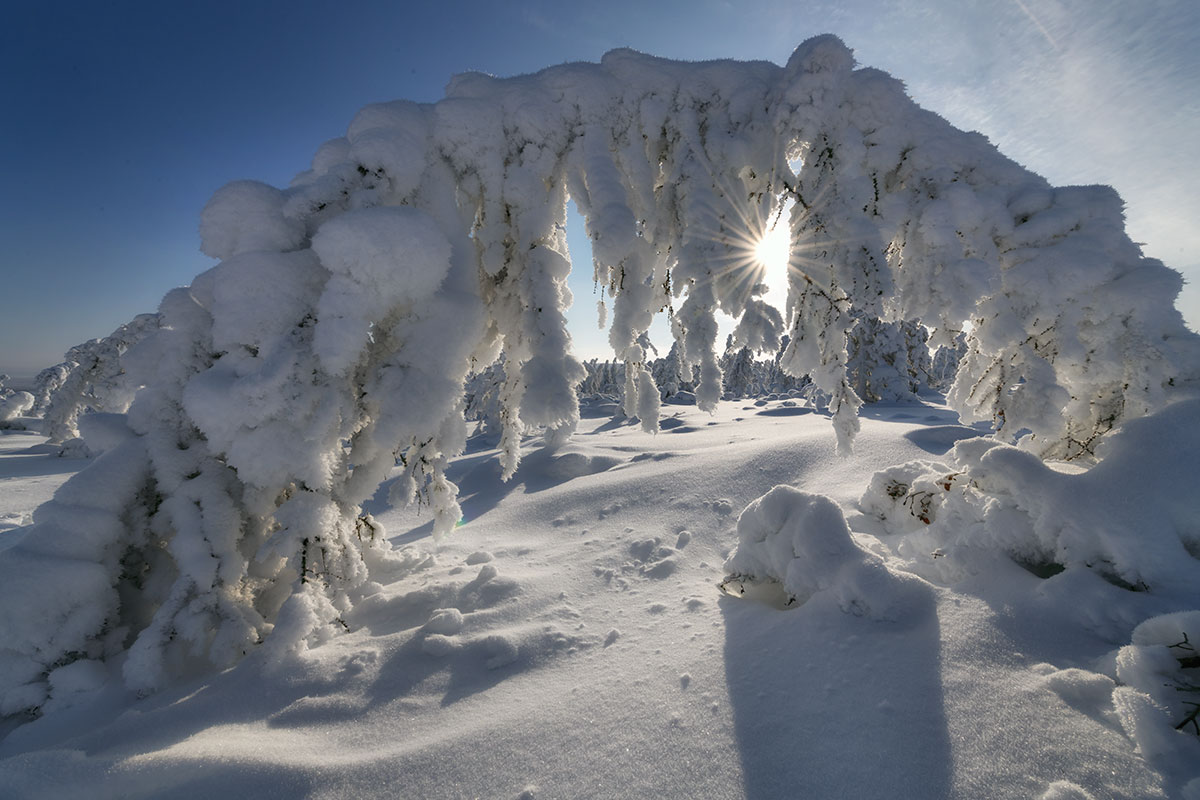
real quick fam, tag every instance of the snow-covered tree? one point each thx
(603, 377)
(944, 363)
(669, 374)
(482, 397)
(13, 403)
(740, 376)
(92, 377)
(886, 361)
(348, 309)
(47, 383)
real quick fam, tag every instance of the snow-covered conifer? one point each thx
(740, 376)
(46, 384)
(91, 377)
(886, 361)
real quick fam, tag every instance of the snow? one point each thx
(570, 639)
(288, 566)
(381, 258)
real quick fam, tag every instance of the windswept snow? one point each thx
(570, 639)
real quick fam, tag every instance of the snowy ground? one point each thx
(570, 640)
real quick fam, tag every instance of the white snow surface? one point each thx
(570, 639)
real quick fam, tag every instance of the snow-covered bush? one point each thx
(1157, 697)
(1161, 667)
(1127, 518)
(334, 337)
(14, 405)
(802, 542)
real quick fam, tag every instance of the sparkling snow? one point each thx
(569, 639)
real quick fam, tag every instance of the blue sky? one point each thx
(120, 119)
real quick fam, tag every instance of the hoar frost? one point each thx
(332, 342)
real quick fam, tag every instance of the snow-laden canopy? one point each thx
(333, 339)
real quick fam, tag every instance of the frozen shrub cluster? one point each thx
(1127, 518)
(332, 341)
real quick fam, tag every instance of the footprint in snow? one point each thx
(722, 507)
(652, 559)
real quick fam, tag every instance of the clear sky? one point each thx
(119, 119)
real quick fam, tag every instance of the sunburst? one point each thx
(773, 248)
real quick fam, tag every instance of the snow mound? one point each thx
(802, 541)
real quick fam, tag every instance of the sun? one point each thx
(773, 250)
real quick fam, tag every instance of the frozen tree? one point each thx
(603, 377)
(886, 361)
(482, 397)
(92, 377)
(738, 374)
(669, 374)
(944, 363)
(47, 383)
(334, 337)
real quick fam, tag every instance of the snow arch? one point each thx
(333, 339)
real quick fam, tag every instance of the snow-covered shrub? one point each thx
(14, 405)
(1127, 518)
(802, 541)
(334, 337)
(1158, 695)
